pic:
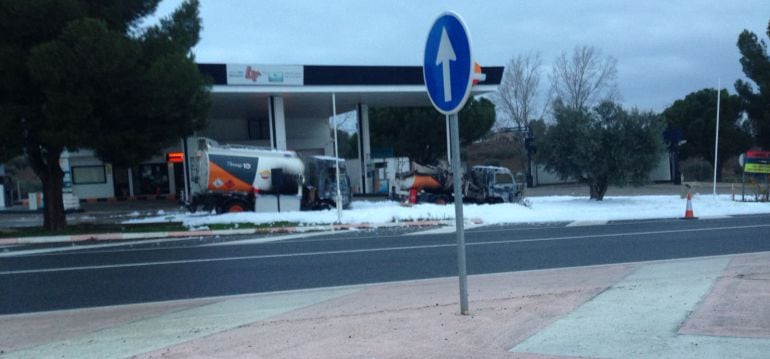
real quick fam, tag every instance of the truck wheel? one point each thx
(192, 207)
(326, 205)
(441, 200)
(208, 207)
(235, 206)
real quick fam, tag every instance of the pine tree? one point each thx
(695, 116)
(81, 74)
(756, 66)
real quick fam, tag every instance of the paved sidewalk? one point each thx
(701, 308)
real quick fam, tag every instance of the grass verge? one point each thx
(94, 228)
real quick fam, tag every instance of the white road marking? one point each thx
(440, 230)
(166, 330)
(153, 241)
(586, 223)
(82, 247)
(639, 317)
(351, 251)
(719, 216)
(267, 239)
(446, 229)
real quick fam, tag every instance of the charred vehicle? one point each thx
(320, 189)
(483, 184)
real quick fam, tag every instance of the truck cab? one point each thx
(320, 190)
(493, 184)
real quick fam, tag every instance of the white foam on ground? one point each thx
(543, 209)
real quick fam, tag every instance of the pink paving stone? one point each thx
(29, 330)
(739, 302)
(415, 319)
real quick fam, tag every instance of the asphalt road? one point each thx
(133, 273)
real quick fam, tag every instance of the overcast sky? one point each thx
(665, 49)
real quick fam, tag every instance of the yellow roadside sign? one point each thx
(757, 168)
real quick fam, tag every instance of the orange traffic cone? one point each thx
(688, 213)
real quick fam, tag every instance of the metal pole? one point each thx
(337, 160)
(130, 182)
(743, 184)
(529, 139)
(361, 152)
(459, 229)
(716, 139)
(448, 141)
(186, 169)
(675, 163)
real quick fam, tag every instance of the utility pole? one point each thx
(716, 139)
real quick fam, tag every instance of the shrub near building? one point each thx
(603, 146)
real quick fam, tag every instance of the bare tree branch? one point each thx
(585, 78)
(517, 95)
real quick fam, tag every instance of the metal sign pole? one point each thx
(337, 159)
(448, 141)
(459, 228)
(186, 169)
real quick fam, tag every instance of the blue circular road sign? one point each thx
(447, 66)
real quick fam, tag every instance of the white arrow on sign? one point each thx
(445, 54)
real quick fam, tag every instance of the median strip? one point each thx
(116, 236)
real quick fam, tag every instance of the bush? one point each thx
(603, 146)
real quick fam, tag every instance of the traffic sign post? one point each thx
(754, 163)
(448, 71)
(459, 225)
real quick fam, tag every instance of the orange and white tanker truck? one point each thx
(234, 178)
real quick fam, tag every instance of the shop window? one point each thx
(88, 175)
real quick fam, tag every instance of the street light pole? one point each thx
(528, 144)
(337, 159)
(716, 139)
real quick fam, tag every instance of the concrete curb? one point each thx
(98, 237)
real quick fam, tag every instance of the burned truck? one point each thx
(236, 178)
(482, 184)
(320, 189)
(492, 184)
